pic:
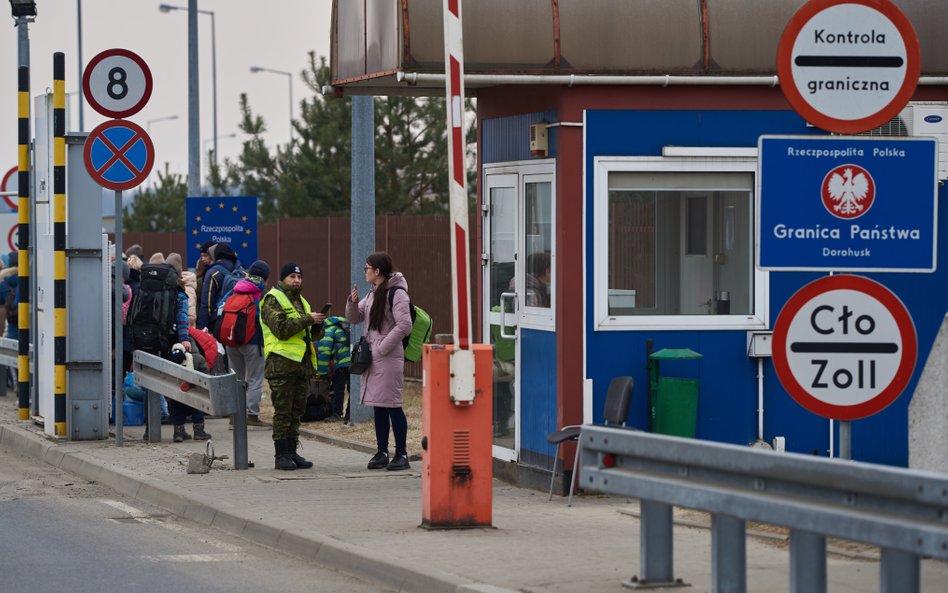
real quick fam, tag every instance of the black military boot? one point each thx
(282, 459)
(199, 434)
(292, 444)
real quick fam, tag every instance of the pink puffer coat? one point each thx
(381, 384)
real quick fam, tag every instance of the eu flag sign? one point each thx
(222, 220)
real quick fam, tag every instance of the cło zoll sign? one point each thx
(844, 347)
(848, 66)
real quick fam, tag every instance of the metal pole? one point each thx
(214, 80)
(291, 107)
(899, 572)
(656, 554)
(117, 365)
(23, 239)
(362, 223)
(845, 439)
(59, 244)
(79, 31)
(194, 115)
(728, 554)
(807, 562)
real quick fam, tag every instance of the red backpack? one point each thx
(237, 324)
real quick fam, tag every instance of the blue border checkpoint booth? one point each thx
(616, 178)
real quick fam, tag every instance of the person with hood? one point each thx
(225, 262)
(247, 360)
(205, 260)
(289, 326)
(382, 383)
(188, 281)
(332, 361)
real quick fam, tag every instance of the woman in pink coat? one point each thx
(381, 385)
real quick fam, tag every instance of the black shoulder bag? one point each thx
(361, 357)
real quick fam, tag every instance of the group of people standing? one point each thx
(289, 344)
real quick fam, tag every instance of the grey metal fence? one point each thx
(903, 512)
(220, 395)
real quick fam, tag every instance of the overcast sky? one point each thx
(272, 34)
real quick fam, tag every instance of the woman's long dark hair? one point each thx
(383, 263)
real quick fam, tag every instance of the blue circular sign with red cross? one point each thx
(119, 155)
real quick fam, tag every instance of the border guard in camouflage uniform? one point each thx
(288, 334)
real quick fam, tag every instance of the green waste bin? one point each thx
(674, 400)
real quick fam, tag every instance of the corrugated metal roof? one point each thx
(372, 41)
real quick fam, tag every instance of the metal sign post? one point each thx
(844, 347)
(118, 155)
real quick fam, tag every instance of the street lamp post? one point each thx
(158, 119)
(168, 8)
(289, 75)
(213, 157)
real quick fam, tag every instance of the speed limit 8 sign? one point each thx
(117, 83)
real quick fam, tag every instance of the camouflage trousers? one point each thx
(289, 403)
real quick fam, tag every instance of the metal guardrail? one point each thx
(220, 395)
(903, 512)
(9, 353)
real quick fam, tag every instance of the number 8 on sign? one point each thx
(117, 83)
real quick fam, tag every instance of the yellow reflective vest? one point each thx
(293, 348)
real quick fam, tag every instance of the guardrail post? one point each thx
(240, 427)
(807, 562)
(153, 416)
(728, 554)
(898, 572)
(657, 547)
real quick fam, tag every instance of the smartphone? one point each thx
(326, 308)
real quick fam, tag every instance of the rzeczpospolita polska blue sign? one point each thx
(846, 204)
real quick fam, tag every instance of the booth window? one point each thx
(675, 244)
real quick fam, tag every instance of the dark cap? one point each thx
(207, 245)
(224, 251)
(259, 268)
(290, 268)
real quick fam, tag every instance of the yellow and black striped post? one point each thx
(59, 242)
(23, 240)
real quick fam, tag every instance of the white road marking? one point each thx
(144, 517)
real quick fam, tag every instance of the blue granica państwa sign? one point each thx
(847, 204)
(230, 220)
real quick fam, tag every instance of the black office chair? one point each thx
(616, 410)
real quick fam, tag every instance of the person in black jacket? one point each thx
(225, 261)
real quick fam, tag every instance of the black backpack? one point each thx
(151, 316)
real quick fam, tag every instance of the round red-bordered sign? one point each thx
(890, 101)
(117, 83)
(858, 353)
(3, 187)
(118, 154)
(10, 237)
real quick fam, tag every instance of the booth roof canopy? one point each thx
(373, 42)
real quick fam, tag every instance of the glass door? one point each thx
(501, 304)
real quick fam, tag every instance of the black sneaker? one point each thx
(379, 461)
(399, 462)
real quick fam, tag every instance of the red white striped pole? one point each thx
(463, 358)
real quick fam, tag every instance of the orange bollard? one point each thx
(457, 453)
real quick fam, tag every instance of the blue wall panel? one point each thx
(506, 139)
(538, 390)
(727, 406)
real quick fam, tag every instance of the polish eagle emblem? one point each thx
(848, 191)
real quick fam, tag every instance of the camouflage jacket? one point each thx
(272, 314)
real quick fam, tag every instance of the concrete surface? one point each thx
(928, 410)
(367, 522)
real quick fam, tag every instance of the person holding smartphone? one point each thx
(290, 361)
(382, 383)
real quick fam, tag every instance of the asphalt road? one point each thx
(61, 533)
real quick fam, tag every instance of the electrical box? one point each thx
(539, 143)
(760, 344)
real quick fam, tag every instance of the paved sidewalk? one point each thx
(367, 522)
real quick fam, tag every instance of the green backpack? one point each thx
(420, 328)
